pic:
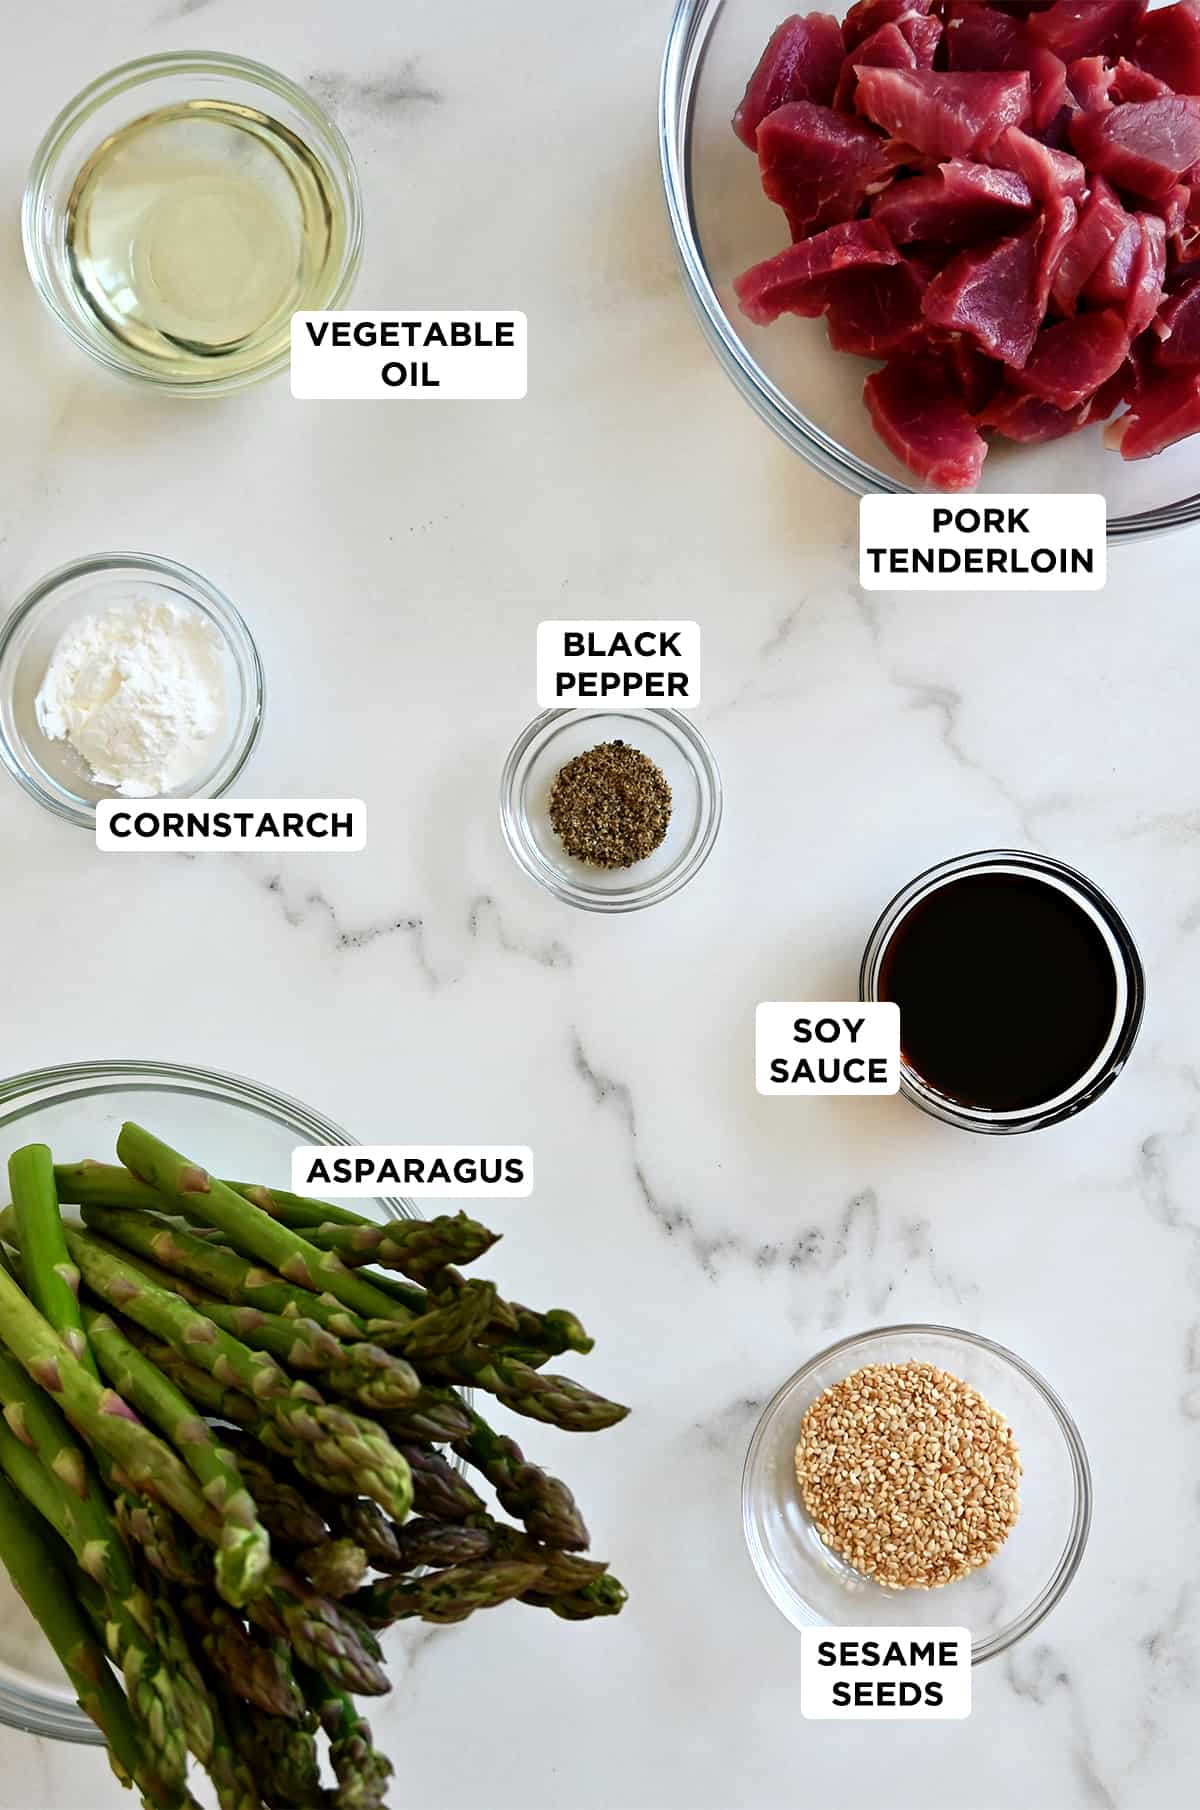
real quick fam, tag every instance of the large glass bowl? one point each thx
(811, 395)
(228, 1124)
(1000, 1603)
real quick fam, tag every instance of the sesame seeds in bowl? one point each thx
(979, 1449)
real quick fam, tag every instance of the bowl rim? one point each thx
(513, 818)
(24, 1710)
(133, 74)
(691, 22)
(206, 595)
(1081, 1518)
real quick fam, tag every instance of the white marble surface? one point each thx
(394, 564)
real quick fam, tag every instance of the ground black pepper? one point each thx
(610, 807)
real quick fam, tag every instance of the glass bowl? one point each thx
(1001, 1602)
(128, 93)
(52, 772)
(811, 395)
(679, 751)
(225, 1122)
(1129, 1007)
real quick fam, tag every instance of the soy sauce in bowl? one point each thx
(1019, 986)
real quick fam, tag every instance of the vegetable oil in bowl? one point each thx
(195, 231)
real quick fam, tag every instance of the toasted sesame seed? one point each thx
(909, 1474)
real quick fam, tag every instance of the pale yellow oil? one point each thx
(195, 232)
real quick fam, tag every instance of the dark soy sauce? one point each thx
(1006, 987)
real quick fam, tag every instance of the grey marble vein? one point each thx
(377, 95)
(485, 922)
(1039, 1674)
(314, 904)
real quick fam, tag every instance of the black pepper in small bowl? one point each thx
(611, 806)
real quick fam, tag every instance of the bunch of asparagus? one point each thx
(234, 1447)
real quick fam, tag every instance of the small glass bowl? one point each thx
(810, 395)
(683, 757)
(1127, 967)
(1001, 1602)
(111, 102)
(237, 1127)
(52, 772)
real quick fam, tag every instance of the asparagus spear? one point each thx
(232, 1779)
(556, 1331)
(51, 1277)
(526, 1492)
(561, 1571)
(445, 1596)
(37, 1423)
(436, 1415)
(439, 1491)
(362, 1772)
(282, 1756)
(105, 1419)
(366, 1524)
(221, 1272)
(602, 1596)
(147, 1526)
(418, 1248)
(557, 1400)
(256, 1669)
(156, 1398)
(366, 1373)
(297, 1210)
(79, 1184)
(192, 1192)
(434, 1544)
(32, 1564)
(334, 1567)
(129, 1628)
(191, 1694)
(284, 1510)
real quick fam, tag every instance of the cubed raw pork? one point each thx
(868, 15)
(1086, 28)
(918, 415)
(1144, 146)
(999, 294)
(1029, 419)
(1071, 360)
(820, 166)
(796, 281)
(802, 62)
(1101, 222)
(1090, 80)
(1168, 45)
(876, 309)
(1178, 328)
(1166, 410)
(1050, 174)
(943, 114)
(887, 48)
(963, 203)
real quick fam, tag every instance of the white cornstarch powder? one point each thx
(138, 692)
